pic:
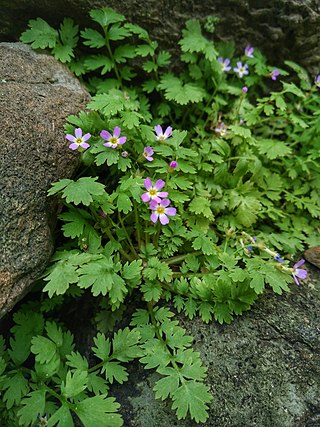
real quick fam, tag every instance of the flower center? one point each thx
(160, 210)
(152, 192)
(113, 140)
(78, 141)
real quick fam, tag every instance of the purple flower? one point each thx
(278, 258)
(221, 129)
(147, 153)
(173, 164)
(317, 80)
(224, 63)
(113, 140)
(161, 210)
(78, 140)
(274, 74)
(153, 192)
(162, 136)
(241, 69)
(299, 272)
(244, 89)
(249, 51)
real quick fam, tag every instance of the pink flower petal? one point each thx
(165, 202)
(299, 263)
(162, 194)
(145, 197)
(70, 138)
(164, 219)
(86, 136)
(73, 146)
(122, 140)
(301, 273)
(150, 159)
(171, 211)
(107, 144)
(168, 132)
(158, 130)
(147, 183)
(105, 135)
(154, 204)
(116, 131)
(154, 217)
(159, 184)
(78, 133)
(84, 145)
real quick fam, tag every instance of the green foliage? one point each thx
(247, 165)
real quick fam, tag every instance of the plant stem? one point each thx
(128, 237)
(123, 253)
(178, 258)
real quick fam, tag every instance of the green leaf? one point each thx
(117, 32)
(106, 16)
(151, 291)
(124, 203)
(43, 348)
(40, 35)
(77, 192)
(94, 62)
(109, 103)
(16, 387)
(192, 397)
(33, 404)
(99, 411)
(115, 371)
(183, 94)
(167, 386)
(201, 206)
(60, 278)
(157, 269)
(125, 345)
(75, 383)
(61, 418)
(69, 38)
(102, 349)
(123, 52)
(292, 88)
(273, 149)
(77, 361)
(193, 40)
(204, 243)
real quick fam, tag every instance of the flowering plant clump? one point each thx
(210, 203)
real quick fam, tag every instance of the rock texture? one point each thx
(36, 94)
(264, 368)
(282, 29)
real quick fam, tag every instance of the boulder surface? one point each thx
(36, 95)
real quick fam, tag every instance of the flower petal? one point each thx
(107, 144)
(153, 204)
(299, 263)
(116, 131)
(158, 130)
(145, 197)
(70, 138)
(74, 146)
(165, 202)
(171, 211)
(84, 145)
(78, 132)
(168, 132)
(86, 136)
(295, 279)
(164, 219)
(122, 140)
(154, 217)
(147, 184)
(301, 273)
(162, 194)
(159, 184)
(105, 135)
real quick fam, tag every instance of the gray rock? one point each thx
(282, 29)
(36, 95)
(263, 369)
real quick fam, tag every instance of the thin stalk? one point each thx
(127, 235)
(123, 253)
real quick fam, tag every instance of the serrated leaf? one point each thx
(123, 52)
(60, 278)
(167, 386)
(40, 35)
(75, 383)
(77, 361)
(61, 418)
(80, 191)
(118, 32)
(99, 411)
(151, 291)
(33, 404)
(192, 397)
(43, 348)
(106, 16)
(183, 94)
(94, 62)
(16, 387)
(115, 371)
